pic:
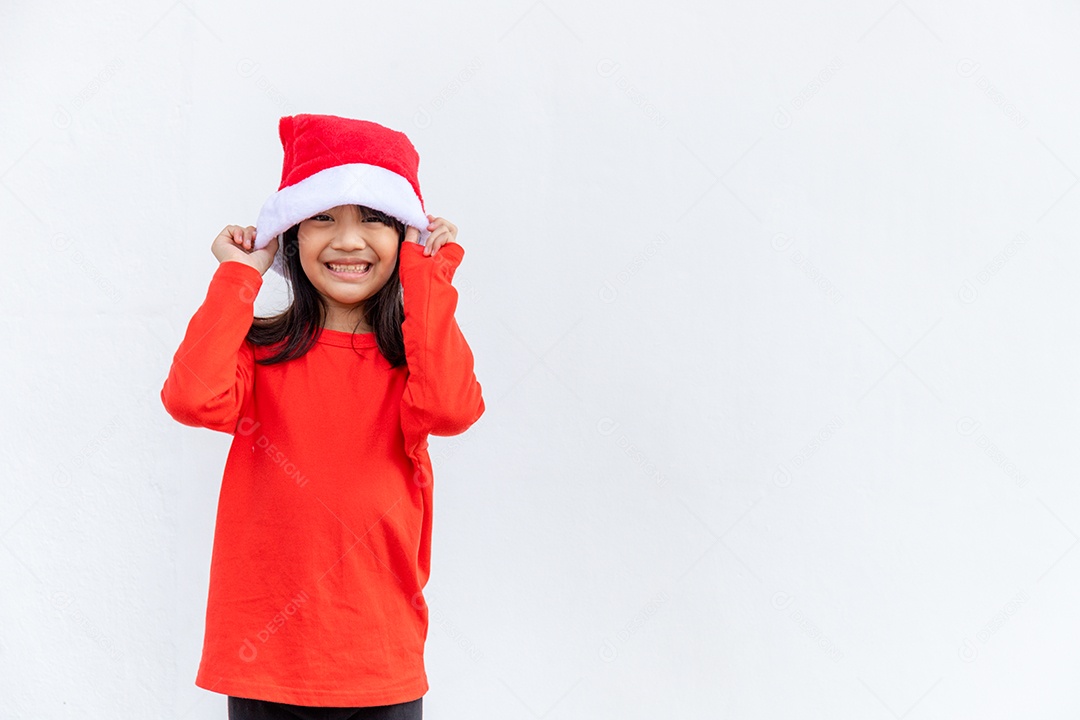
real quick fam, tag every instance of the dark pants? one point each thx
(248, 709)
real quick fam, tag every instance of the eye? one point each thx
(320, 215)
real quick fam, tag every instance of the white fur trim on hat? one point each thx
(353, 183)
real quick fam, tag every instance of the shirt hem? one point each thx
(405, 692)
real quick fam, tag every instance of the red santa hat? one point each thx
(331, 161)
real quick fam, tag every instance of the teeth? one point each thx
(362, 268)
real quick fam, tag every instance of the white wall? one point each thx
(773, 309)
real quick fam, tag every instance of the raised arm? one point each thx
(212, 371)
(442, 396)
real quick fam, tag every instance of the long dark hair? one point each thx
(298, 326)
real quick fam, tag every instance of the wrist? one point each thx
(241, 261)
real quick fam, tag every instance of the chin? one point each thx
(349, 298)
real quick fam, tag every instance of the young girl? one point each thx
(323, 536)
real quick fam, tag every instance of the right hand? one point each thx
(236, 243)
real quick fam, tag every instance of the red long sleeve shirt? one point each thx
(322, 543)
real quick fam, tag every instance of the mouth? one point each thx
(349, 271)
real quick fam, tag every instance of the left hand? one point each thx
(442, 232)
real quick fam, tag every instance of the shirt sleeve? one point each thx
(442, 396)
(213, 370)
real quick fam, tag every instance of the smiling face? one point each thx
(348, 258)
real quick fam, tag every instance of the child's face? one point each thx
(340, 237)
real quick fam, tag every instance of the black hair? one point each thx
(297, 327)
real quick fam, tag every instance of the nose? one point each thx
(349, 235)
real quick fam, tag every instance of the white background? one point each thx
(773, 308)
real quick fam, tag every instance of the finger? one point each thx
(431, 244)
(435, 241)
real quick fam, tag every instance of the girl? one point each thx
(322, 543)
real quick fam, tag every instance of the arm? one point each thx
(212, 372)
(442, 396)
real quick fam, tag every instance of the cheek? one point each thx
(309, 252)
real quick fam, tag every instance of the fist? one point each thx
(237, 244)
(442, 231)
